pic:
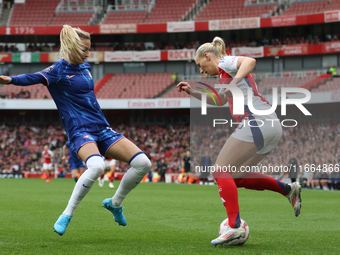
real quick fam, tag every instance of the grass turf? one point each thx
(162, 219)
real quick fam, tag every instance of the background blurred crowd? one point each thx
(310, 143)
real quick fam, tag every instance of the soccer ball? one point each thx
(240, 241)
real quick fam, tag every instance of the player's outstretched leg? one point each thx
(140, 166)
(62, 223)
(95, 166)
(229, 235)
(116, 211)
(294, 197)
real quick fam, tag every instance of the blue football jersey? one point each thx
(72, 89)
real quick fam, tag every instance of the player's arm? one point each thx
(211, 99)
(23, 79)
(245, 66)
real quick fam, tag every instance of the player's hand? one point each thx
(184, 86)
(63, 157)
(5, 79)
(227, 93)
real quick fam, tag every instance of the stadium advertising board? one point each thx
(227, 24)
(184, 26)
(148, 55)
(5, 57)
(123, 56)
(332, 16)
(280, 21)
(117, 28)
(181, 54)
(118, 56)
(331, 47)
(248, 51)
(287, 50)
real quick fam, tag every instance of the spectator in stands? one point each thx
(243, 147)
(88, 131)
(45, 48)
(332, 70)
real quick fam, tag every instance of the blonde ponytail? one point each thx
(217, 47)
(71, 45)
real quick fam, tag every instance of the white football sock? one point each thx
(95, 167)
(140, 166)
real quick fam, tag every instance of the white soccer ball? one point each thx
(240, 241)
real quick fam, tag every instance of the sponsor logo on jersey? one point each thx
(70, 76)
(49, 69)
(90, 75)
(85, 136)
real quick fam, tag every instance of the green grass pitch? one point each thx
(162, 219)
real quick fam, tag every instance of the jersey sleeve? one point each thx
(28, 79)
(229, 65)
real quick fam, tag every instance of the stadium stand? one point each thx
(266, 85)
(24, 144)
(38, 91)
(76, 5)
(330, 85)
(125, 17)
(311, 7)
(79, 18)
(165, 10)
(138, 85)
(33, 12)
(173, 93)
(229, 9)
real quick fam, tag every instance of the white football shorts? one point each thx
(48, 166)
(265, 133)
(109, 163)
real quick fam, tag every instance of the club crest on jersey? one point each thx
(85, 136)
(90, 75)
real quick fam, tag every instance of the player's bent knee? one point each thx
(95, 164)
(141, 163)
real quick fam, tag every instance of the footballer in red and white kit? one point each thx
(47, 155)
(110, 165)
(255, 136)
(264, 130)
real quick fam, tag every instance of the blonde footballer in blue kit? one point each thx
(249, 144)
(70, 84)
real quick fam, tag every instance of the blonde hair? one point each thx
(217, 47)
(71, 45)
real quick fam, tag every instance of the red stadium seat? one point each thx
(33, 12)
(227, 9)
(149, 85)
